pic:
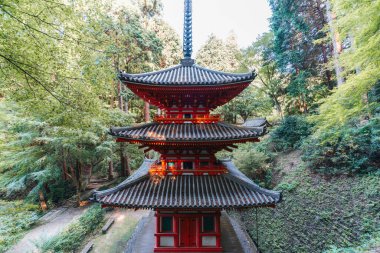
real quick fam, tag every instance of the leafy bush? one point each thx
(72, 237)
(352, 148)
(291, 132)
(60, 190)
(16, 217)
(253, 162)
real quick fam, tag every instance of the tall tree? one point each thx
(219, 55)
(149, 9)
(58, 60)
(352, 99)
(296, 26)
(260, 56)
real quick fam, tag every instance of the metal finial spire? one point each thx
(188, 31)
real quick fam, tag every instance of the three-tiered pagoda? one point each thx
(187, 186)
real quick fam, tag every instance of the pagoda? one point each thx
(187, 186)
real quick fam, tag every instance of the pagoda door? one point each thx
(187, 232)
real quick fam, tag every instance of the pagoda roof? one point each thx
(187, 73)
(187, 132)
(256, 122)
(226, 191)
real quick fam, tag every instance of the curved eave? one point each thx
(232, 190)
(188, 142)
(187, 133)
(187, 85)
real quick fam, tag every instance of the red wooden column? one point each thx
(199, 237)
(157, 229)
(175, 230)
(217, 229)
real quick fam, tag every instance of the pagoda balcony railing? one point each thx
(199, 119)
(159, 170)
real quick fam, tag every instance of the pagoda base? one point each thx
(189, 230)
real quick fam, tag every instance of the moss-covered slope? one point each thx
(317, 213)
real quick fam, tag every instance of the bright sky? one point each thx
(247, 18)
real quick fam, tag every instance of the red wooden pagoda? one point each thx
(187, 187)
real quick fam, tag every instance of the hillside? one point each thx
(318, 213)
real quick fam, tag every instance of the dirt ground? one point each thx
(285, 163)
(116, 238)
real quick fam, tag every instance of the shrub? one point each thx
(16, 217)
(60, 190)
(253, 162)
(353, 148)
(72, 237)
(291, 132)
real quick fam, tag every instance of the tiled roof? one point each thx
(226, 191)
(187, 74)
(257, 122)
(187, 132)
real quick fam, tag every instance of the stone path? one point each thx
(51, 224)
(144, 240)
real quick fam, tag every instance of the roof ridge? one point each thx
(172, 76)
(133, 127)
(152, 72)
(223, 72)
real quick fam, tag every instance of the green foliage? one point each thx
(58, 190)
(220, 55)
(317, 212)
(358, 21)
(73, 236)
(297, 26)
(369, 245)
(286, 186)
(352, 148)
(291, 132)
(253, 162)
(33, 154)
(250, 103)
(59, 63)
(16, 217)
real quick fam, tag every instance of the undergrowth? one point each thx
(73, 236)
(371, 245)
(318, 213)
(16, 217)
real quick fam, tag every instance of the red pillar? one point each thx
(157, 229)
(175, 230)
(198, 232)
(217, 229)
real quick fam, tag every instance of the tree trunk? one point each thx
(125, 100)
(43, 204)
(64, 169)
(110, 169)
(126, 107)
(128, 170)
(75, 175)
(278, 107)
(337, 45)
(112, 101)
(119, 95)
(122, 162)
(146, 112)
